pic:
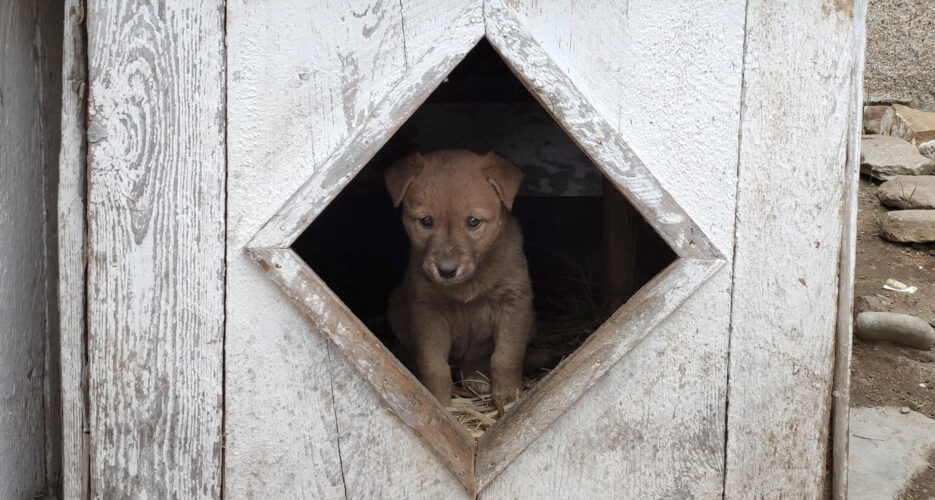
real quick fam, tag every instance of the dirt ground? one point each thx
(885, 374)
(882, 373)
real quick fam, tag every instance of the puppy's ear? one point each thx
(399, 176)
(503, 176)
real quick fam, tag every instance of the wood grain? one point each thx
(156, 196)
(845, 320)
(400, 391)
(789, 244)
(49, 19)
(26, 236)
(71, 256)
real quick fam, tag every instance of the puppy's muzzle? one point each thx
(447, 269)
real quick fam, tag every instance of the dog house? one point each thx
(700, 157)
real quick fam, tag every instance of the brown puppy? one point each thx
(466, 296)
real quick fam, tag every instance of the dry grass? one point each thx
(478, 412)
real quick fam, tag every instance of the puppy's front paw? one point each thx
(507, 391)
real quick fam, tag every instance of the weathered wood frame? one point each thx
(698, 259)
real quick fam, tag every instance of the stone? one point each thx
(908, 226)
(913, 125)
(904, 410)
(908, 192)
(886, 449)
(885, 157)
(900, 328)
(886, 122)
(872, 117)
(927, 149)
(899, 53)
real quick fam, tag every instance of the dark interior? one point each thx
(567, 210)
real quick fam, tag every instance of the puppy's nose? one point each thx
(447, 268)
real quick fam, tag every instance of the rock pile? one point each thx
(900, 149)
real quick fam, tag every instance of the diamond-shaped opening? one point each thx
(588, 249)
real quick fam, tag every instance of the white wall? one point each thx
(30, 51)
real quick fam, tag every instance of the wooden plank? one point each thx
(71, 256)
(49, 19)
(428, 34)
(156, 197)
(654, 426)
(401, 392)
(279, 418)
(845, 319)
(23, 253)
(789, 239)
(304, 79)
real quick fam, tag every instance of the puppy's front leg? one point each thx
(511, 328)
(433, 344)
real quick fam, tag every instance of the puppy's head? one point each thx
(453, 208)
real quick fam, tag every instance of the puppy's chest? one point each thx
(470, 322)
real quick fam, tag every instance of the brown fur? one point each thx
(481, 318)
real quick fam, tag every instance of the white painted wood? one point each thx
(304, 80)
(845, 319)
(25, 317)
(564, 386)
(667, 77)
(651, 428)
(596, 137)
(398, 389)
(386, 114)
(156, 171)
(654, 426)
(71, 254)
(791, 195)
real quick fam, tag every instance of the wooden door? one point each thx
(214, 362)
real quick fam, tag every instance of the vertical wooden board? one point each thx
(652, 428)
(667, 76)
(23, 299)
(798, 68)
(381, 458)
(49, 41)
(280, 431)
(71, 255)
(156, 174)
(304, 78)
(845, 319)
(279, 417)
(404, 468)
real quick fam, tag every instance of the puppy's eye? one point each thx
(426, 222)
(473, 222)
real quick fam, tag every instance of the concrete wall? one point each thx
(30, 89)
(901, 53)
